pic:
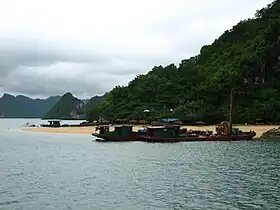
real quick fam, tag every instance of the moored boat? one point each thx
(119, 134)
(172, 134)
(52, 124)
(169, 134)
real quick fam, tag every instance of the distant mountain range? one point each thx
(24, 107)
(54, 107)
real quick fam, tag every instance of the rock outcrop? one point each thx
(271, 134)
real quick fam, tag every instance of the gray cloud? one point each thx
(31, 52)
(92, 47)
(75, 77)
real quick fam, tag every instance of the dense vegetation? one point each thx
(25, 107)
(93, 102)
(68, 107)
(246, 58)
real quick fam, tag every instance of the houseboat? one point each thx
(175, 134)
(118, 134)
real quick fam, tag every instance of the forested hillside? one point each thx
(70, 107)
(246, 57)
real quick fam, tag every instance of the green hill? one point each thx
(246, 57)
(25, 107)
(95, 101)
(68, 107)
(92, 107)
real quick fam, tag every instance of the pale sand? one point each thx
(259, 129)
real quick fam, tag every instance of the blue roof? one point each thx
(169, 119)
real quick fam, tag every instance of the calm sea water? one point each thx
(63, 171)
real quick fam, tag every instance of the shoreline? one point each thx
(88, 130)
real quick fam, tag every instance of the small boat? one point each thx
(52, 124)
(28, 125)
(120, 133)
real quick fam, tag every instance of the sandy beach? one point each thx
(259, 129)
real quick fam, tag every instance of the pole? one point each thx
(230, 111)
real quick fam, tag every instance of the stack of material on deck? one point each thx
(271, 134)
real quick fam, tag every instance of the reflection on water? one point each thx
(62, 171)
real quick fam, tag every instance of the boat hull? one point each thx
(201, 139)
(139, 137)
(111, 138)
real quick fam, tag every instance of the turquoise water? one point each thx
(66, 171)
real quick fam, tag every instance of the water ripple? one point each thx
(8, 203)
(71, 172)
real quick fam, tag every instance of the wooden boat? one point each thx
(172, 134)
(167, 134)
(120, 133)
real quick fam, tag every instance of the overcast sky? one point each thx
(49, 47)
